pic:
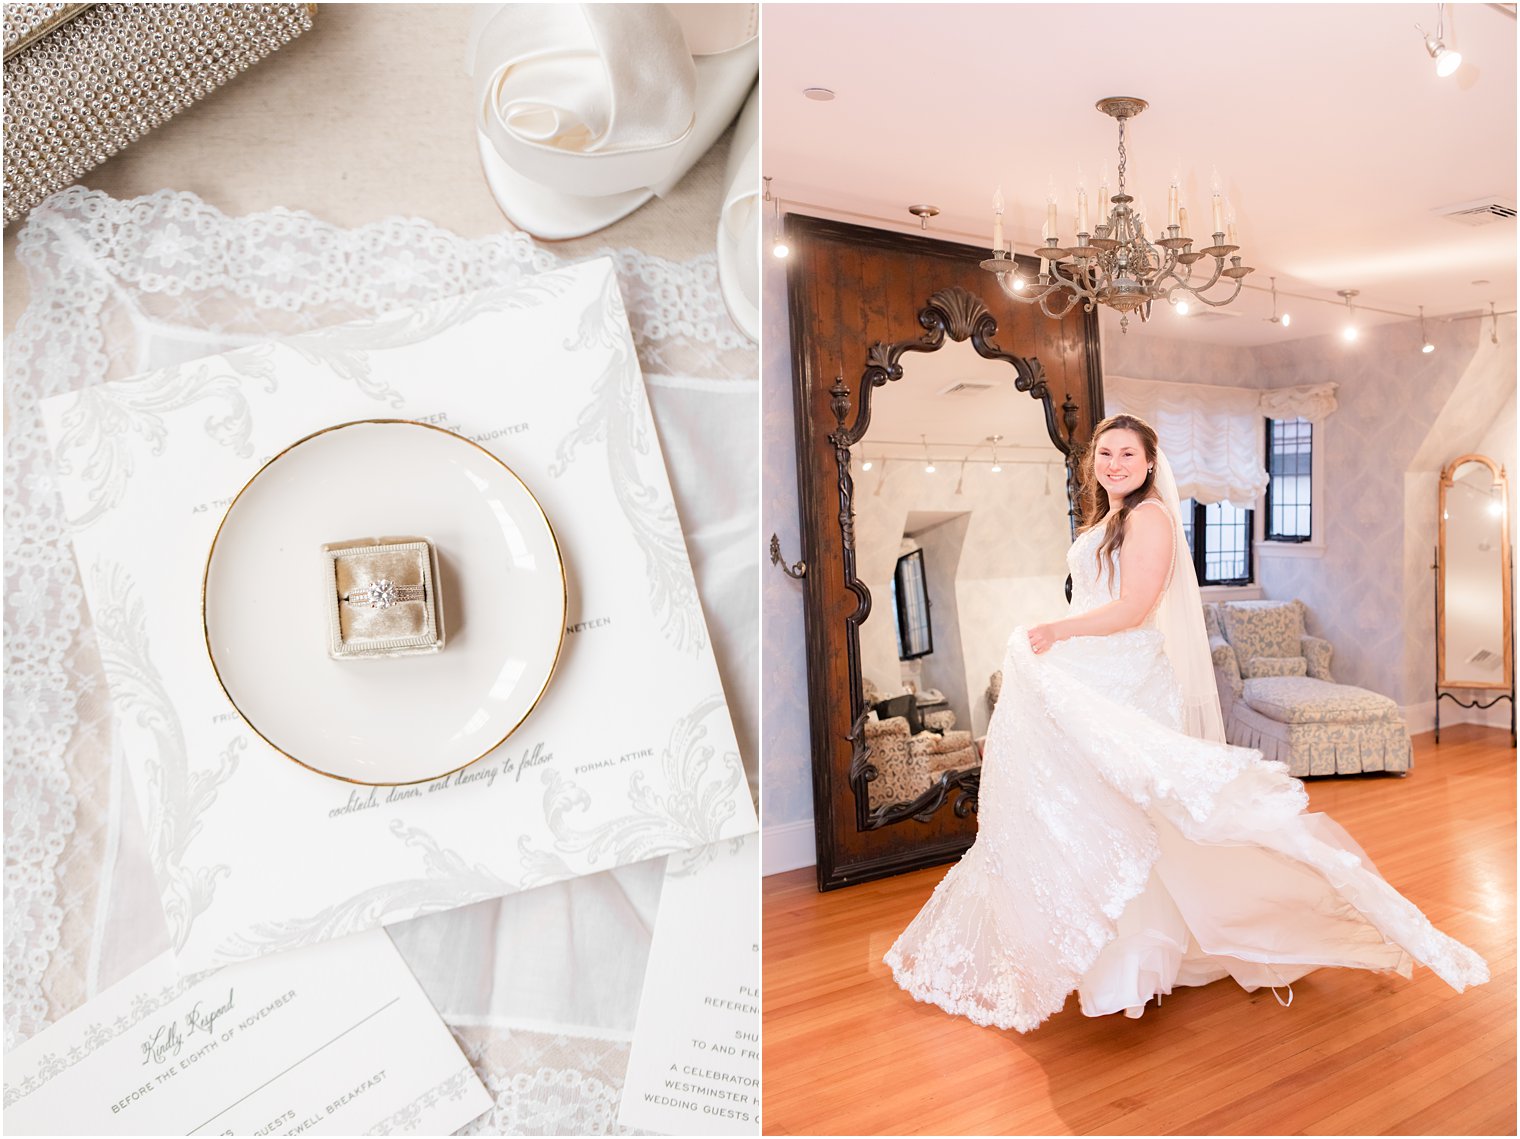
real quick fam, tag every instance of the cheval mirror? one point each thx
(1475, 634)
(937, 429)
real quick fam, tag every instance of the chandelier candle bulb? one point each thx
(1230, 230)
(1117, 264)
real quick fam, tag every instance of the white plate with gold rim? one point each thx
(392, 720)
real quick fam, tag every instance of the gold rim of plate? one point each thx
(564, 601)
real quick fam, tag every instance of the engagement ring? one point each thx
(366, 614)
(383, 594)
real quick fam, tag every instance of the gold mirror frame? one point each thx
(1500, 485)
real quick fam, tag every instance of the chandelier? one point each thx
(1116, 264)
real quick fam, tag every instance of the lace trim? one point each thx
(1066, 841)
(106, 275)
(547, 1083)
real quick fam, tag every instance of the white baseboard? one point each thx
(789, 846)
(1422, 717)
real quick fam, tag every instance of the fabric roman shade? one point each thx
(1213, 435)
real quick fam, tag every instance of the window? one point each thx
(1290, 469)
(1223, 557)
(910, 597)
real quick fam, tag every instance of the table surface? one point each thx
(368, 115)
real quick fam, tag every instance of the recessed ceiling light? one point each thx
(1480, 282)
(818, 94)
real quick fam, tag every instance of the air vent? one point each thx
(966, 387)
(1484, 211)
(1485, 658)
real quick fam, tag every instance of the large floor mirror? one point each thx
(961, 529)
(1475, 633)
(936, 426)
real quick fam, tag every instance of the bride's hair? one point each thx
(1092, 499)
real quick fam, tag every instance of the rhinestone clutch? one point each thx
(84, 80)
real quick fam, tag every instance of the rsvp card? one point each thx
(629, 755)
(337, 1039)
(694, 1068)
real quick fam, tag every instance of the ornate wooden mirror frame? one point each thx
(856, 296)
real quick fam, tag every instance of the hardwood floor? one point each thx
(848, 1052)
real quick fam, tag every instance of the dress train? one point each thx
(1118, 857)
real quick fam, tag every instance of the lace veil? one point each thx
(1179, 616)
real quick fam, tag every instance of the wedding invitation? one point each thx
(630, 754)
(694, 1068)
(336, 1039)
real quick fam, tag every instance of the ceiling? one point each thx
(923, 416)
(1332, 135)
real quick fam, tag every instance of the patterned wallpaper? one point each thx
(1402, 415)
(1480, 418)
(786, 765)
(1371, 593)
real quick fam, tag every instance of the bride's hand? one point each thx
(1041, 637)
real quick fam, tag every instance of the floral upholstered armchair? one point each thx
(1277, 695)
(907, 763)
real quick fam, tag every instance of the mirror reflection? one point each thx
(961, 530)
(1475, 610)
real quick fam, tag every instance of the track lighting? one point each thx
(1425, 345)
(1349, 333)
(997, 467)
(928, 462)
(1284, 319)
(779, 247)
(1447, 60)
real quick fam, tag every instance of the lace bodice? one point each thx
(1091, 583)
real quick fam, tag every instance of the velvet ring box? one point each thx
(382, 598)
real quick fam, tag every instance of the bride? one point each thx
(1123, 847)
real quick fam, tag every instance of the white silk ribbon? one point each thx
(739, 224)
(596, 100)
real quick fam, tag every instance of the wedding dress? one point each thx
(1119, 856)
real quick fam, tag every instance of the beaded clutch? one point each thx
(84, 80)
